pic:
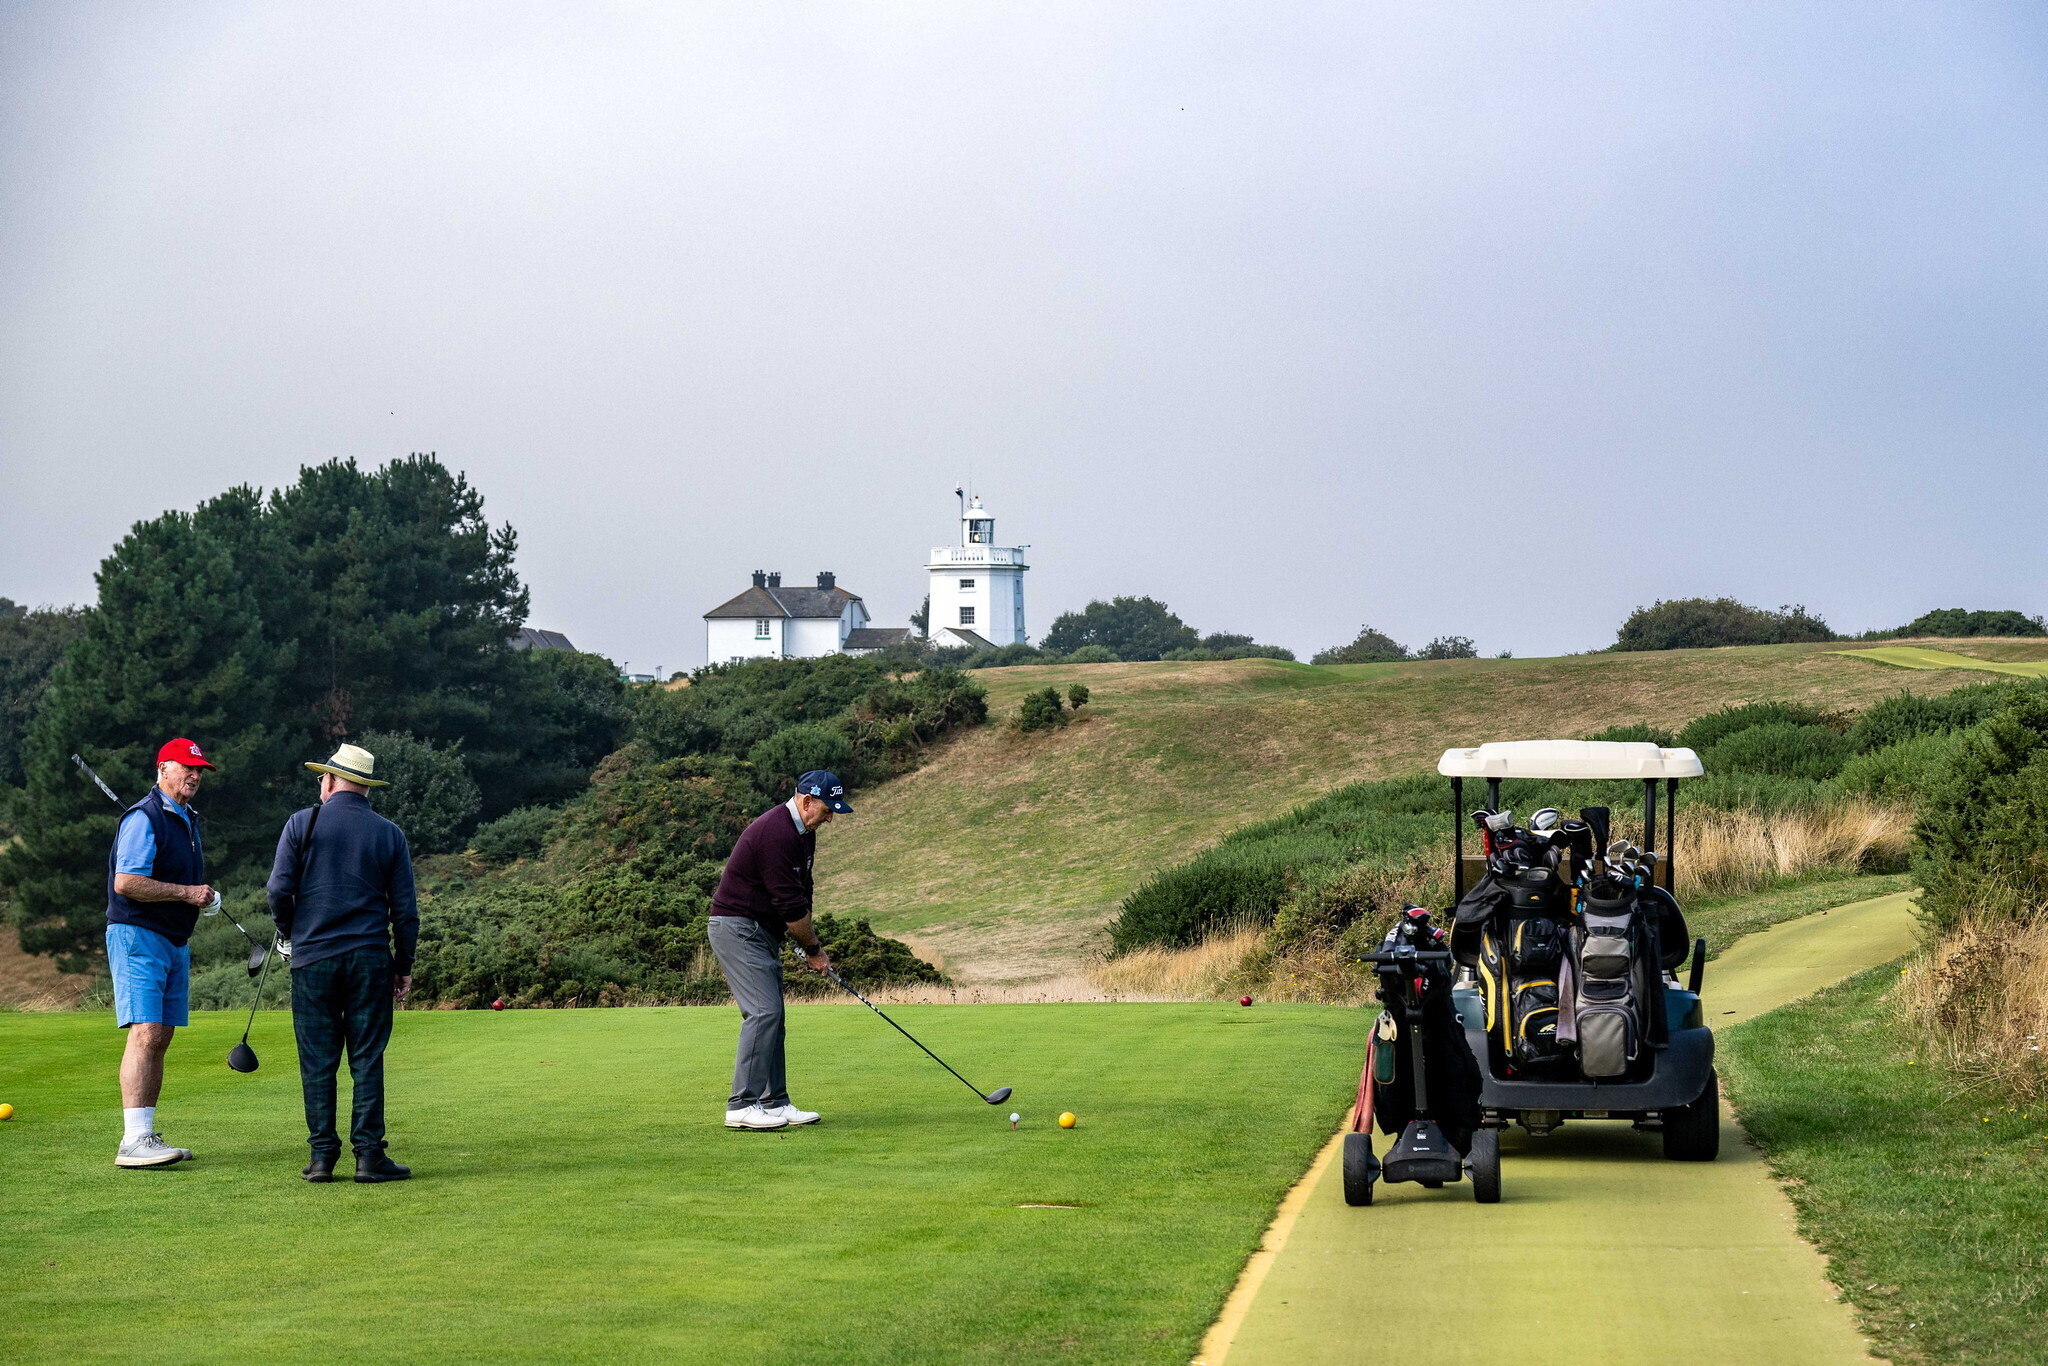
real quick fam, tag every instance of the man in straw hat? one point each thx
(341, 893)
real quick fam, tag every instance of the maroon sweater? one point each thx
(768, 877)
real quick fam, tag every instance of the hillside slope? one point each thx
(1006, 853)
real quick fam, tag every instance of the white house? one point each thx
(769, 621)
(977, 586)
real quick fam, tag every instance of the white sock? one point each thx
(140, 1119)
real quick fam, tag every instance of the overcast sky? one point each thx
(1495, 320)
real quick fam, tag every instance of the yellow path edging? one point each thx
(1601, 1250)
(1216, 1342)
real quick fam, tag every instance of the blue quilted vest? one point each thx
(179, 859)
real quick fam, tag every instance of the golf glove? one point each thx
(284, 949)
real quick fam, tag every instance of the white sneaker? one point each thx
(754, 1117)
(791, 1115)
(149, 1150)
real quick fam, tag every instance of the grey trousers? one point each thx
(751, 959)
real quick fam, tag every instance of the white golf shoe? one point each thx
(791, 1115)
(754, 1117)
(149, 1150)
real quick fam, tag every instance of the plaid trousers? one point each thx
(337, 1003)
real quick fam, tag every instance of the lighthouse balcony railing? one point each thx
(977, 554)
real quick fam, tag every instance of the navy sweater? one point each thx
(356, 890)
(768, 877)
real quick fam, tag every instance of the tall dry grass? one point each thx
(1978, 1002)
(1720, 853)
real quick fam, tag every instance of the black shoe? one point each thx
(377, 1167)
(320, 1169)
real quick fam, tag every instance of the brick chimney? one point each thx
(774, 578)
(827, 579)
(760, 578)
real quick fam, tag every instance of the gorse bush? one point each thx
(521, 834)
(1904, 716)
(1040, 710)
(1781, 749)
(1368, 647)
(1703, 733)
(1900, 774)
(1953, 622)
(1638, 734)
(1983, 827)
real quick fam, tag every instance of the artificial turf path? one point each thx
(1600, 1250)
(579, 1200)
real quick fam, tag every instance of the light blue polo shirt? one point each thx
(135, 845)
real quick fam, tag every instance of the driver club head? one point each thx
(997, 1096)
(242, 1057)
(256, 957)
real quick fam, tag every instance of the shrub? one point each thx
(858, 954)
(431, 797)
(793, 751)
(1370, 647)
(514, 835)
(1094, 654)
(1781, 749)
(1638, 734)
(1900, 774)
(1004, 656)
(1449, 647)
(1703, 623)
(660, 815)
(1135, 628)
(1041, 710)
(1954, 622)
(1077, 696)
(1983, 828)
(1904, 715)
(1704, 732)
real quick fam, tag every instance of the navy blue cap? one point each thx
(826, 787)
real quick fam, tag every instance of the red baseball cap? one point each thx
(183, 751)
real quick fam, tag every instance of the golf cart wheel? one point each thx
(1692, 1133)
(1484, 1163)
(1361, 1169)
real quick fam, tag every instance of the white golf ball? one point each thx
(1014, 1117)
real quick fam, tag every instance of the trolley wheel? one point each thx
(1484, 1163)
(1361, 1169)
(1692, 1133)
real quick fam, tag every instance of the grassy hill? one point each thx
(1007, 852)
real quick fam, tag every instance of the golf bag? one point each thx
(1436, 1112)
(1513, 930)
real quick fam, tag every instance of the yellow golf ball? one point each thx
(6, 1111)
(1067, 1120)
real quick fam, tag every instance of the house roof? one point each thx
(973, 640)
(876, 637)
(531, 638)
(784, 602)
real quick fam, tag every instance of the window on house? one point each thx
(760, 628)
(967, 583)
(967, 616)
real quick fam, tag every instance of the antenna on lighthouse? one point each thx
(961, 494)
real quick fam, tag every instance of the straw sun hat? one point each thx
(352, 762)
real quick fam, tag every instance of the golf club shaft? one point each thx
(250, 1023)
(905, 1033)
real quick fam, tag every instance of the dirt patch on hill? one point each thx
(32, 982)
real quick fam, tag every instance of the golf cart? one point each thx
(1568, 944)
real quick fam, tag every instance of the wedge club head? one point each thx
(242, 1057)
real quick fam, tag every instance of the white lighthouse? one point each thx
(977, 586)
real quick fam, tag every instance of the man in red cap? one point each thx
(156, 887)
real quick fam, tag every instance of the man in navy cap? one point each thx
(764, 895)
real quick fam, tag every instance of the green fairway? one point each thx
(578, 1198)
(1920, 657)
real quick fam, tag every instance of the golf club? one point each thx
(995, 1097)
(243, 1057)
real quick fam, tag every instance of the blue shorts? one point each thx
(152, 977)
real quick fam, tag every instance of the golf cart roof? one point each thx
(1569, 759)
